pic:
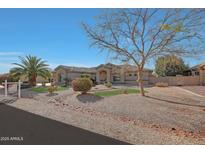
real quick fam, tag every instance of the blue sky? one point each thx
(55, 35)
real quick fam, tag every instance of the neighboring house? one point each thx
(192, 77)
(102, 73)
(198, 70)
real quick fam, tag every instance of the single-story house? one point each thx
(198, 70)
(102, 73)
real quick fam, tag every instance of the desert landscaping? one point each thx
(167, 115)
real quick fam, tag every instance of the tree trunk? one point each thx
(33, 81)
(140, 81)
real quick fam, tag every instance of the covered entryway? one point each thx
(103, 75)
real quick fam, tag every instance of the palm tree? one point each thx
(31, 67)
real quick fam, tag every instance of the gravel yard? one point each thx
(165, 116)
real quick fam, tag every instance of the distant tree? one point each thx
(31, 67)
(12, 78)
(9, 77)
(3, 77)
(170, 65)
(138, 35)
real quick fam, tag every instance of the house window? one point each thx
(196, 73)
(116, 77)
(135, 74)
(130, 74)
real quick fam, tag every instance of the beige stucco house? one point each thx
(122, 74)
(198, 70)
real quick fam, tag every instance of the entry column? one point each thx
(202, 77)
(108, 75)
(98, 76)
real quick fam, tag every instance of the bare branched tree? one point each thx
(138, 35)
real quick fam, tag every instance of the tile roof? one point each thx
(78, 69)
(93, 69)
(197, 66)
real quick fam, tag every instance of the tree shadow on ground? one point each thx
(88, 98)
(38, 130)
(174, 102)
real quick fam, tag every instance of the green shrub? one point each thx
(51, 89)
(109, 84)
(82, 84)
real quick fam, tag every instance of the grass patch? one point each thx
(45, 89)
(117, 92)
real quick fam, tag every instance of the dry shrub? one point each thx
(82, 84)
(51, 89)
(109, 84)
(125, 91)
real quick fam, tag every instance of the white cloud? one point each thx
(10, 53)
(6, 65)
(8, 58)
